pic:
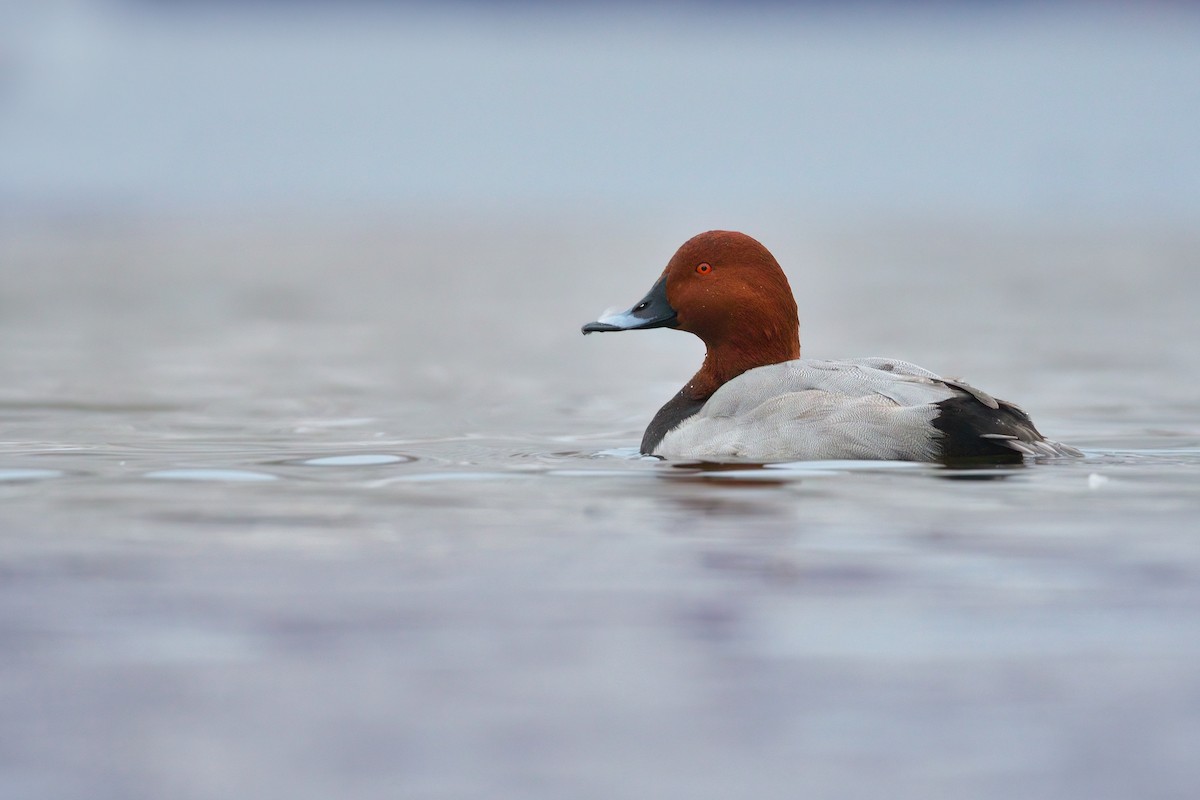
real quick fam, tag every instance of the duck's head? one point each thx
(726, 288)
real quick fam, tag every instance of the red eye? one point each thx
(704, 268)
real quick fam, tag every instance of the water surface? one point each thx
(327, 509)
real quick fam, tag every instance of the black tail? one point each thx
(972, 430)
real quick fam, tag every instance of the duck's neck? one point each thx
(734, 355)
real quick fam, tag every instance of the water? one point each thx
(310, 487)
(315, 508)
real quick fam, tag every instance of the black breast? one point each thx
(679, 408)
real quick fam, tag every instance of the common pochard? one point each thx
(756, 399)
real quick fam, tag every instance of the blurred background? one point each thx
(678, 110)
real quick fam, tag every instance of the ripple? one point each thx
(449, 477)
(359, 460)
(785, 471)
(17, 475)
(590, 473)
(627, 453)
(215, 475)
(846, 465)
(765, 476)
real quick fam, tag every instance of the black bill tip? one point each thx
(599, 327)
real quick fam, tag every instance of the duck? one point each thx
(755, 399)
